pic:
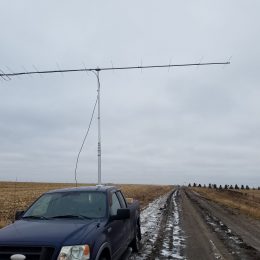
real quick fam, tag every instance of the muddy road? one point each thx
(185, 225)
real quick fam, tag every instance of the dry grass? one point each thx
(246, 201)
(144, 193)
(18, 196)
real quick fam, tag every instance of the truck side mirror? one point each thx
(123, 213)
(18, 214)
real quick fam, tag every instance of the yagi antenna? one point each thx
(3, 75)
(13, 74)
(97, 71)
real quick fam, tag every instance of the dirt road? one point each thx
(184, 225)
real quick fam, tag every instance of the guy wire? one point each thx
(84, 140)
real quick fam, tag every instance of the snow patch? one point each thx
(173, 243)
(173, 238)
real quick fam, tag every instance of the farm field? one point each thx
(17, 196)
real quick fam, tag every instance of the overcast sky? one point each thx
(166, 126)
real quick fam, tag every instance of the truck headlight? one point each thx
(77, 252)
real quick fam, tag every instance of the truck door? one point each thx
(116, 230)
(128, 225)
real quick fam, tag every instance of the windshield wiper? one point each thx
(72, 216)
(34, 217)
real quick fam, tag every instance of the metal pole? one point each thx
(99, 130)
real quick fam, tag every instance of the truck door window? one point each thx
(115, 205)
(121, 199)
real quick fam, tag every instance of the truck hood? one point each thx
(48, 232)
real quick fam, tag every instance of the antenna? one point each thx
(13, 74)
(3, 75)
(97, 71)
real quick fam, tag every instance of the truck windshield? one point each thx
(77, 204)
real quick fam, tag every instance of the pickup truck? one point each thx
(93, 222)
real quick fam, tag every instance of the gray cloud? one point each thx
(178, 126)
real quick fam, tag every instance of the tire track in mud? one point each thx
(233, 243)
(162, 236)
(200, 242)
(173, 238)
(183, 225)
(151, 218)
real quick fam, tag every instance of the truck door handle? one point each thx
(109, 229)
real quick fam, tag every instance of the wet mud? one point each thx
(184, 225)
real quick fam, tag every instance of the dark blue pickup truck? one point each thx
(83, 223)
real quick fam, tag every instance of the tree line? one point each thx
(226, 186)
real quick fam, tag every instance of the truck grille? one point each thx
(31, 253)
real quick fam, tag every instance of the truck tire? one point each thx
(135, 244)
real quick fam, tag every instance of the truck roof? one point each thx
(102, 188)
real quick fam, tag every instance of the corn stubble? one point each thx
(19, 195)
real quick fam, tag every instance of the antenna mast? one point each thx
(99, 130)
